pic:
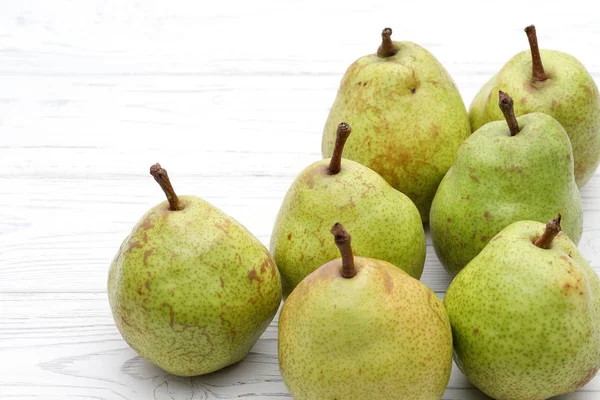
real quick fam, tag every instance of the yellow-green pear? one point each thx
(338, 189)
(525, 315)
(507, 171)
(559, 86)
(408, 115)
(360, 328)
(190, 289)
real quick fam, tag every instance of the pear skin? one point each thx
(360, 198)
(360, 328)
(566, 91)
(190, 289)
(408, 116)
(498, 179)
(526, 319)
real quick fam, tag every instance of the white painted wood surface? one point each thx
(231, 98)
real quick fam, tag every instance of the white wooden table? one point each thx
(231, 98)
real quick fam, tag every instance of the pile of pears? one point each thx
(191, 290)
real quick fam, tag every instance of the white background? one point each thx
(231, 98)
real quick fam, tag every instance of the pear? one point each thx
(360, 328)
(339, 189)
(504, 174)
(560, 87)
(409, 115)
(190, 289)
(525, 315)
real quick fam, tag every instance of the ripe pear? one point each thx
(339, 189)
(360, 328)
(409, 116)
(525, 315)
(504, 174)
(560, 87)
(190, 289)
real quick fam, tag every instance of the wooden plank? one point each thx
(66, 219)
(66, 344)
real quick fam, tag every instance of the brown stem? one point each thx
(343, 131)
(552, 229)
(387, 48)
(507, 104)
(537, 68)
(342, 241)
(160, 176)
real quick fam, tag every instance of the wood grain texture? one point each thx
(231, 98)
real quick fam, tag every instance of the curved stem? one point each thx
(387, 48)
(343, 131)
(342, 241)
(507, 105)
(552, 229)
(537, 68)
(160, 176)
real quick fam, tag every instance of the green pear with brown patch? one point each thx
(507, 171)
(408, 115)
(361, 328)
(525, 315)
(554, 83)
(338, 189)
(190, 289)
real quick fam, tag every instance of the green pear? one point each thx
(410, 116)
(339, 189)
(360, 328)
(190, 289)
(525, 315)
(560, 87)
(504, 174)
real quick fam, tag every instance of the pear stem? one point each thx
(552, 229)
(507, 105)
(343, 131)
(537, 68)
(387, 48)
(160, 175)
(342, 241)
